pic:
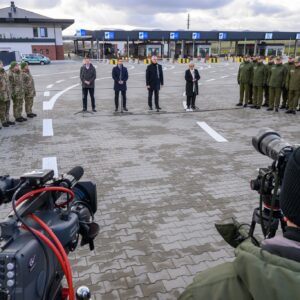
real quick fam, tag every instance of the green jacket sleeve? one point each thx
(220, 282)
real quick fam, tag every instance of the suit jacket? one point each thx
(152, 79)
(88, 75)
(120, 75)
(189, 87)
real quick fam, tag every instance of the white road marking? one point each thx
(210, 80)
(74, 77)
(50, 163)
(60, 81)
(48, 105)
(225, 76)
(50, 86)
(212, 132)
(47, 127)
(46, 94)
(50, 74)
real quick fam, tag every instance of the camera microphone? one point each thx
(72, 177)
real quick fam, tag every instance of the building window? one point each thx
(35, 32)
(47, 51)
(34, 50)
(41, 51)
(43, 32)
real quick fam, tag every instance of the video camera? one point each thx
(269, 181)
(47, 219)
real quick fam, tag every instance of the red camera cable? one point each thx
(62, 257)
(47, 189)
(63, 254)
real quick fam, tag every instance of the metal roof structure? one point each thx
(118, 35)
(13, 14)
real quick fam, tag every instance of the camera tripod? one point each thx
(270, 226)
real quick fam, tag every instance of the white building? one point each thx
(27, 32)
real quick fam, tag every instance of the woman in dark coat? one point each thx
(120, 77)
(192, 77)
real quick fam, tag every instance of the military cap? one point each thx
(278, 57)
(292, 56)
(23, 65)
(13, 64)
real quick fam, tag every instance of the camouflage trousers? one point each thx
(17, 106)
(7, 108)
(28, 104)
(293, 99)
(2, 112)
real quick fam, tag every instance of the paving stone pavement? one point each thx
(162, 181)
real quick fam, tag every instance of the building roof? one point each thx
(13, 14)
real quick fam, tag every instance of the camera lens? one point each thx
(269, 143)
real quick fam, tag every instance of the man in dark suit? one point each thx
(120, 77)
(154, 81)
(88, 77)
(192, 77)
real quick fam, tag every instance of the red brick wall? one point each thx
(51, 51)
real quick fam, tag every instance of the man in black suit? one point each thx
(120, 77)
(192, 77)
(88, 77)
(154, 81)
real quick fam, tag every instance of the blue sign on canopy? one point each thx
(196, 36)
(174, 35)
(269, 36)
(143, 35)
(109, 35)
(222, 35)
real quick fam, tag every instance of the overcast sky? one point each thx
(272, 15)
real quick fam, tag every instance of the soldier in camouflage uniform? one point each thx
(293, 85)
(285, 92)
(276, 81)
(29, 89)
(4, 98)
(17, 91)
(244, 79)
(266, 87)
(259, 81)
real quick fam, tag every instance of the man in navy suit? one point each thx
(120, 77)
(154, 82)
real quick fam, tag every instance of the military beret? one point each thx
(13, 64)
(23, 65)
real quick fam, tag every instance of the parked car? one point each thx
(36, 59)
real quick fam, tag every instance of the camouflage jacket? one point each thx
(4, 87)
(28, 84)
(16, 84)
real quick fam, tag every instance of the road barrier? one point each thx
(214, 60)
(183, 60)
(113, 61)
